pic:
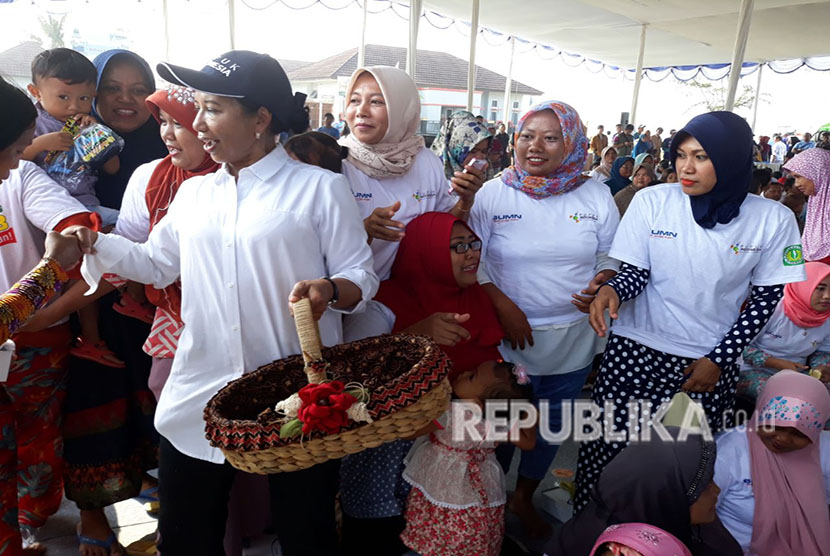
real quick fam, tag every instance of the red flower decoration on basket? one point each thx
(324, 407)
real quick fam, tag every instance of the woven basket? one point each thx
(406, 377)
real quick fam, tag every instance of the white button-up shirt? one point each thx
(240, 247)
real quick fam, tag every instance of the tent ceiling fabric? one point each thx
(680, 32)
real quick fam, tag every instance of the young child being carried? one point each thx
(456, 505)
(63, 84)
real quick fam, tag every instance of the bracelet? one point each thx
(336, 292)
(458, 206)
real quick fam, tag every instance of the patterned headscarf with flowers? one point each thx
(460, 133)
(568, 176)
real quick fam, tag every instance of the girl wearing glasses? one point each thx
(546, 230)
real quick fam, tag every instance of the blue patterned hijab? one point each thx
(727, 139)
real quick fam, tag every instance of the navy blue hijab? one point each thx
(616, 182)
(141, 145)
(727, 139)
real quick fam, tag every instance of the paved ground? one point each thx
(132, 523)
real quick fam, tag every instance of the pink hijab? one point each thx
(791, 514)
(797, 297)
(647, 540)
(815, 165)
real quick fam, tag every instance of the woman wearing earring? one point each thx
(262, 231)
(690, 252)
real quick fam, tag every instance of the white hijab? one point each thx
(395, 153)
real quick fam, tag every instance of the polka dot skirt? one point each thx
(632, 371)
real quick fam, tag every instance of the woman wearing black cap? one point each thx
(690, 251)
(261, 231)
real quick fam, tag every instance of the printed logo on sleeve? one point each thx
(6, 232)
(793, 255)
(421, 195)
(501, 218)
(742, 248)
(359, 196)
(664, 234)
(580, 216)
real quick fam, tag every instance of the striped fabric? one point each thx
(164, 335)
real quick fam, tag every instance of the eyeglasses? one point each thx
(462, 248)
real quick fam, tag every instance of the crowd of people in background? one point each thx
(540, 258)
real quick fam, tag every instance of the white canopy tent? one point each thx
(653, 34)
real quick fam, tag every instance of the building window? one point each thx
(494, 103)
(494, 116)
(515, 105)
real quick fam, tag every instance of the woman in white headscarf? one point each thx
(394, 179)
(603, 171)
(393, 176)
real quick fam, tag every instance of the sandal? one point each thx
(97, 352)
(151, 500)
(107, 544)
(129, 307)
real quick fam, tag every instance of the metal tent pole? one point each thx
(361, 52)
(412, 50)
(232, 23)
(471, 72)
(639, 77)
(757, 96)
(166, 30)
(508, 110)
(744, 21)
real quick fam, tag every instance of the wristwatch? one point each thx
(335, 296)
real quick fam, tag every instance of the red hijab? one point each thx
(797, 297)
(422, 283)
(167, 177)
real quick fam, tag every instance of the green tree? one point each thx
(714, 95)
(52, 29)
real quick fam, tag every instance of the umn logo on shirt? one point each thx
(663, 234)
(358, 196)
(580, 216)
(500, 218)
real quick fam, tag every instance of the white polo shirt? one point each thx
(699, 277)
(31, 204)
(733, 475)
(782, 338)
(424, 188)
(240, 246)
(541, 251)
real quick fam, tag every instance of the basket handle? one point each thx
(310, 342)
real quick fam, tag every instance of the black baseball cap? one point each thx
(238, 74)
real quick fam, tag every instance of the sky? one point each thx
(199, 31)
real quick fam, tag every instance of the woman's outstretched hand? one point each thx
(606, 300)
(445, 328)
(379, 224)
